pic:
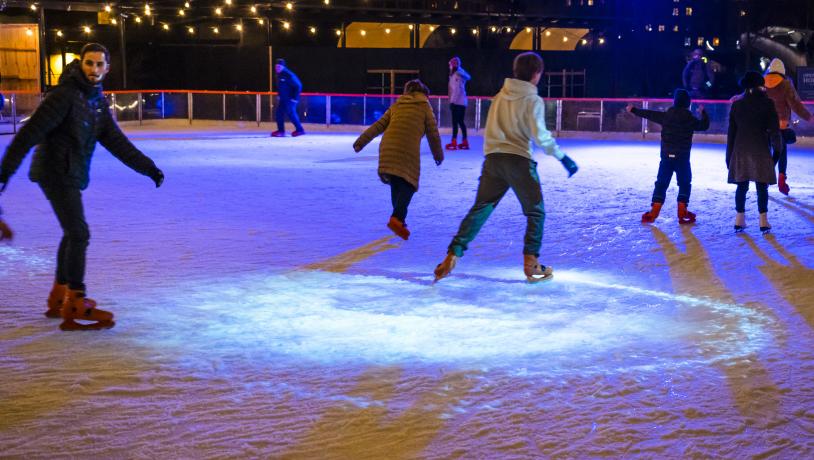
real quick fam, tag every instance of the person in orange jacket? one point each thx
(781, 91)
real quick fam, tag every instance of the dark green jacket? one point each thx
(65, 129)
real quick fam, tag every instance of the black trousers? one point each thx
(287, 108)
(458, 114)
(683, 173)
(401, 193)
(762, 196)
(70, 212)
(781, 158)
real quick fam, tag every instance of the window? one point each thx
(688, 11)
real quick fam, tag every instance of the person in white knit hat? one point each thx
(781, 91)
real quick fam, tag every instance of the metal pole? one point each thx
(189, 107)
(14, 112)
(558, 124)
(439, 112)
(162, 106)
(122, 48)
(364, 109)
(601, 114)
(42, 48)
(477, 114)
(258, 112)
(113, 100)
(328, 111)
(223, 110)
(139, 109)
(645, 105)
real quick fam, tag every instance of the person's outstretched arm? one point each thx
(656, 116)
(50, 114)
(433, 137)
(463, 74)
(113, 139)
(372, 131)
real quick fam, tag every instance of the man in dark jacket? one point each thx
(697, 76)
(677, 127)
(288, 94)
(65, 128)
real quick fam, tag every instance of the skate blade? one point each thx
(539, 279)
(71, 325)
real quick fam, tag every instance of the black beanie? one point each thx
(751, 80)
(280, 61)
(681, 98)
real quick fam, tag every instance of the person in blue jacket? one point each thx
(288, 91)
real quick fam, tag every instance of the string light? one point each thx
(474, 31)
(286, 25)
(410, 27)
(584, 41)
(239, 27)
(216, 30)
(493, 29)
(28, 32)
(191, 30)
(289, 6)
(564, 39)
(432, 28)
(387, 31)
(86, 29)
(108, 9)
(509, 29)
(313, 30)
(327, 2)
(165, 26)
(601, 40)
(228, 2)
(218, 11)
(59, 33)
(147, 11)
(182, 12)
(114, 21)
(33, 7)
(363, 32)
(138, 20)
(186, 5)
(452, 31)
(528, 30)
(260, 21)
(547, 33)
(253, 9)
(338, 32)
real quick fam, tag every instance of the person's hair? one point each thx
(93, 48)
(526, 65)
(416, 86)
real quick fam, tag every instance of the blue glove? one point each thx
(569, 165)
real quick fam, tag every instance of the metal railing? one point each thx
(591, 115)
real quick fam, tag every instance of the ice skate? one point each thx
(278, 134)
(298, 133)
(782, 185)
(75, 306)
(55, 299)
(685, 216)
(398, 227)
(765, 227)
(650, 216)
(452, 145)
(5, 231)
(535, 272)
(443, 269)
(740, 222)
(464, 145)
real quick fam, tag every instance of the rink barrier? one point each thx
(578, 115)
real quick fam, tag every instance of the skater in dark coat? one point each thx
(65, 128)
(753, 128)
(677, 127)
(288, 92)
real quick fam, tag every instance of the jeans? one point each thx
(458, 113)
(683, 173)
(67, 204)
(287, 108)
(762, 196)
(502, 171)
(401, 193)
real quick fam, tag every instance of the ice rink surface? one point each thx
(264, 310)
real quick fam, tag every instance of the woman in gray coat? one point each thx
(753, 127)
(457, 103)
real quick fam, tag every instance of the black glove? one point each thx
(158, 177)
(3, 183)
(569, 165)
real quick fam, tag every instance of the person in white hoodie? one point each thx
(515, 122)
(457, 103)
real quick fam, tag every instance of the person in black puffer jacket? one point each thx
(65, 127)
(677, 127)
(288, 91)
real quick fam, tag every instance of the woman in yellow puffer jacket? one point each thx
(781, 91)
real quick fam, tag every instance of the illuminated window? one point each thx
(661, 28)
(687, 41)
(675, 11)
(688, 11)
(675, 28)
(700, 41)
(716, 41)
